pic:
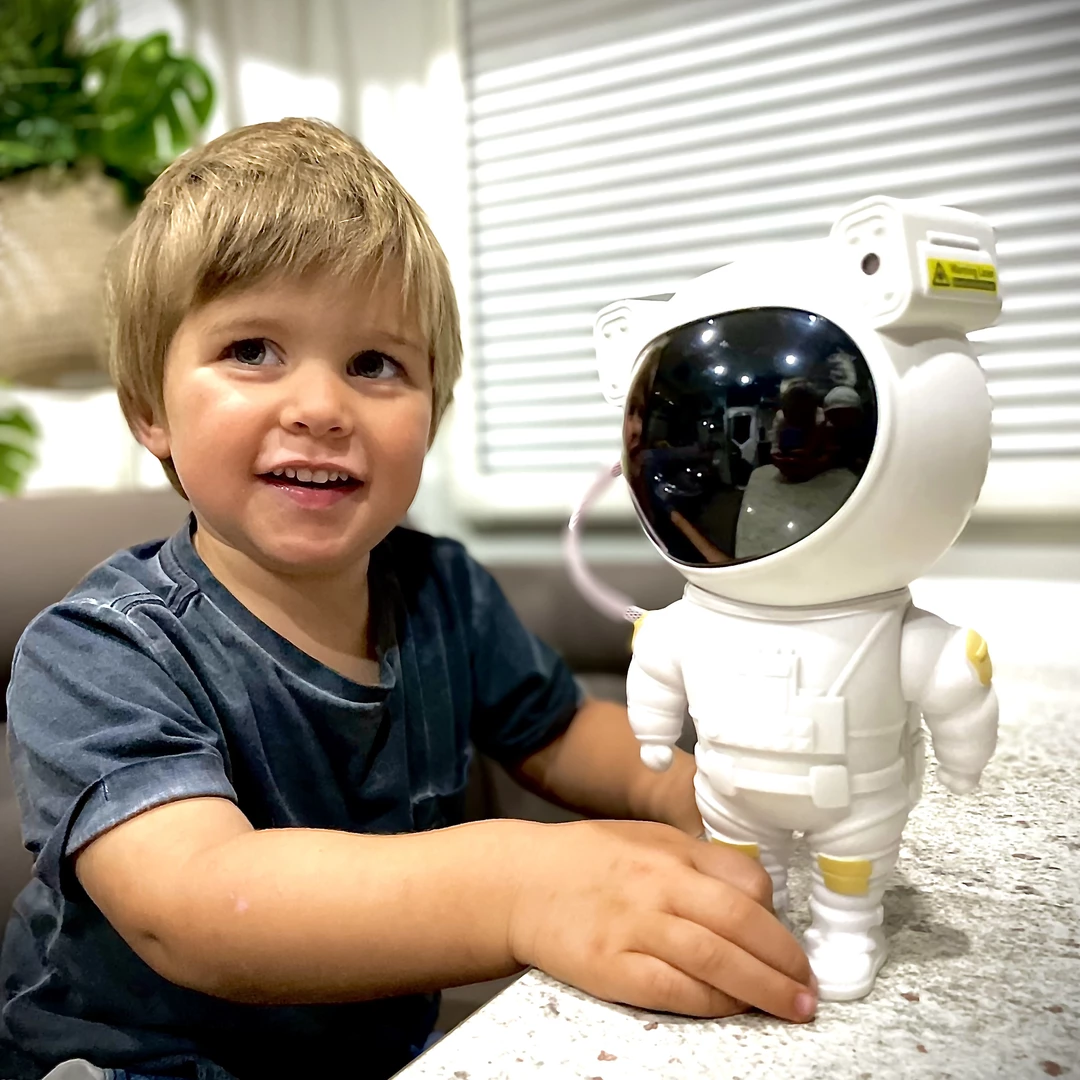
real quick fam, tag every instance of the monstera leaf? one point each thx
(152, 105)
(17, 434)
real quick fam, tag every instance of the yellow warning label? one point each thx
(949, 274)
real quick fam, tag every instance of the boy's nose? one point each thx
(315, 403)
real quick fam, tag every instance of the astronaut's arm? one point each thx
(946, 671)
(655, 698)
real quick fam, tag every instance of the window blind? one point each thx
(621, 147)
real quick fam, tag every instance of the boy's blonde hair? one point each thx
(270, 199)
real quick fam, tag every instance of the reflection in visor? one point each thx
(746, 432)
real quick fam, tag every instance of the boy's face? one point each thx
(316, 374)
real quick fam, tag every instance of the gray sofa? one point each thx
(48, 543)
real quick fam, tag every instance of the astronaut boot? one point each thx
(845, 942)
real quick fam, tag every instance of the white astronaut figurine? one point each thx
(796, 648)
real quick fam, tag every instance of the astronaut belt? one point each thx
(827, 786)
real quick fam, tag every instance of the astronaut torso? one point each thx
(823, 686)
(802, 702)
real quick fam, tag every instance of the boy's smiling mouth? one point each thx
(312, 486)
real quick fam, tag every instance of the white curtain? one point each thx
(386, 71)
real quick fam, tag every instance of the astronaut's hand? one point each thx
(657, 757)
(957, 783)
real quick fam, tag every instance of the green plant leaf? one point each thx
(14, 470)
(11, 478)
(16, 455)
(18, 433)
(17, 155)
(18, 419)
(42, 106)
(152, 104)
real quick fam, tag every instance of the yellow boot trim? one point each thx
(849, 877)
(979, 655)
(747, 849)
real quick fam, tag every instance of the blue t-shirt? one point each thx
(151, 682)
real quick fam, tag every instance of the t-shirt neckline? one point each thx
(180, 551)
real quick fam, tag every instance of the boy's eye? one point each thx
(254, 352)
(373, 365)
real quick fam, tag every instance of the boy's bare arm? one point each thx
(595, 767)
(302, 915)
(629, 911)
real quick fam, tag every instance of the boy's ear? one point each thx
(154, 435)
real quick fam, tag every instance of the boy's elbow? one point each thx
(180, 958)
(157, 878)
(220, 982)
(209, 942)
(197, 966)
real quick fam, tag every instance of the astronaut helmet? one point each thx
(808, 424)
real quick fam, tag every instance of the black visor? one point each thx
(746, 432)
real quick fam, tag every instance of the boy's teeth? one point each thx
(312, 476)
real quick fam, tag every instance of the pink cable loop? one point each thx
(604, 598)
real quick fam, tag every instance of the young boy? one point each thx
(241, 752)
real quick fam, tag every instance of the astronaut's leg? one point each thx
(852, 861)
(724, 824)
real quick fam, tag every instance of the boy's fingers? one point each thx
(730, 914)
(715, 960)
(647, 982)
(730, 865)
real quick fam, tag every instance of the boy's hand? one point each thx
(641, 914)
(669, 795)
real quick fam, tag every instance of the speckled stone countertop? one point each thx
(983, 979)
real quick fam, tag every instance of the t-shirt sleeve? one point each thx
(105, 720)
(524, 693)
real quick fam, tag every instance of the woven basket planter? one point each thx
(55, 233)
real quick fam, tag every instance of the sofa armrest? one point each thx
(49, 542)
